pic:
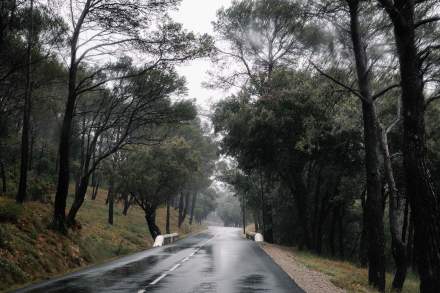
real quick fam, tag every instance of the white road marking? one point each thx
(175, 267)
(158, 279)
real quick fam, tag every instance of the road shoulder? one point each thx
(309, 280)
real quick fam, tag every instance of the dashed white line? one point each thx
(158, 279)
(175, 267)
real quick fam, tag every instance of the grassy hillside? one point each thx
(29, 251)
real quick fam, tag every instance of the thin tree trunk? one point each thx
(95, 190)
(341, 232)
(193, 205)
(111, 201)
(396, 209)
(150, 217)
(78, 201)
(374, 206)
(22, 186)
(363, 247)
(332, 232)
(183, 207)
(59, 216)
(266, 208)
(127, 203)
(3, 175)
(167, 226)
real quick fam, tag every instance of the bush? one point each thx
(10, 211)
(40, 188)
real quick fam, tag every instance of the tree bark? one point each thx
(95, 190)
(22, 185)
(3, 175)
(374, 206)
(127, 203)
(78, 201)
(423, 196)
(183, 207)
(396, 209)
(193, 205)
(150, 217)
(111, 201)
(167, 225)
(59, 216)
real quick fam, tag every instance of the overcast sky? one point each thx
(197, 15)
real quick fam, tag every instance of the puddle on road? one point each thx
(252, 283)
(206, 287)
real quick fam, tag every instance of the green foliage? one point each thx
(40, 188)
(228, 209)
(10, 211)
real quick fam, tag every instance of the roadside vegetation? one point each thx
(30, 252)
(328, 137)
(332, 136)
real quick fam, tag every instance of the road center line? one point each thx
(177, 265)
(158, 279)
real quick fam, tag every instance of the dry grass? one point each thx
(29, 251)
(344, 274)
(347, 275)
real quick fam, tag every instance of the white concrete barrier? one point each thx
(258, 237)
(158, 241)
(165, 239)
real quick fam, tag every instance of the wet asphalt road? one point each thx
(216, 261)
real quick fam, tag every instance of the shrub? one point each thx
(10, 211)
(40, 188)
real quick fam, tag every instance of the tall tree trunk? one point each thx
(150, 217)
(331, 237)
(59, 215)
(111, 201)
(193, 206)
(78, 201)
(374, 206)
(266, 211)
(167, 225)
(127, 203)
(22, 185)
(183, 207)
(423, 196)
(3, 175)
(363, 247)
(256, 226)
(396, 209)
(95, 190)
(341, 232)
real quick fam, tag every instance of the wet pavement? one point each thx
(216, 261)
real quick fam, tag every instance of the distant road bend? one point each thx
(218, 260)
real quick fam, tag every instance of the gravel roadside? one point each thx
(309, 280)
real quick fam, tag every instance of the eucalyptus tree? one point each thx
(102, 30)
